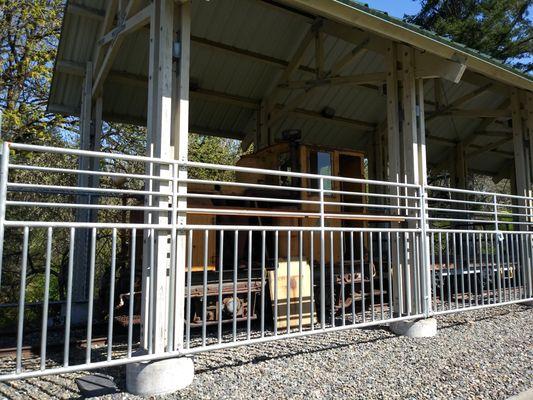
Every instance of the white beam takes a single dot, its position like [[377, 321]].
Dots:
[[431, 66]]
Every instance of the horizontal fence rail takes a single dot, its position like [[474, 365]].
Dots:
[[90, 240]]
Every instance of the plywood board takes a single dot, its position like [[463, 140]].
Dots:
[[297, 279]]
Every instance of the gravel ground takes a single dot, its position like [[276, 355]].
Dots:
[[485, 354]]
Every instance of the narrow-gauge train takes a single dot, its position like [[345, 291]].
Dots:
[[288, 155], [225, 258]]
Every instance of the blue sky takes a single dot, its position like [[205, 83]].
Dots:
[[395, 8]]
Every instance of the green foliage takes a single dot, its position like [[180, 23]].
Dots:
[[29, 32], [213, 150], [500, 28]]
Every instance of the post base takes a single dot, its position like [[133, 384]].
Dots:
[[415, 329], [150, 378]]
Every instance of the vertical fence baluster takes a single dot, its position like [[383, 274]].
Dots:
[[300, 294], [91, 297], [188, 315], [362, 258], [22, 298], [332, 278], [220, 283], [249, 291], [461, 261], [474, 242], [111, 294], [389, 263], [455, 271], [372, 277], [288, 282], [312, 268], [433, 271], [469, 283], [132, 290], [381, 299], [352, 275], [276, 265], [407, 272], [263, 282], [68, 310], [342, 294], [44, 322], [235, 276], [204, 286]]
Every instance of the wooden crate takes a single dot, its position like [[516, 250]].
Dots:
[[294, 294], [198, 241]]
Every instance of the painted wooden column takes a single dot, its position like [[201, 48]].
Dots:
[[90, 125], [180, 144], [522, 180], [425, 256], [394, 171], [157, 249], [519, 146], [164, 251], [411, 175]]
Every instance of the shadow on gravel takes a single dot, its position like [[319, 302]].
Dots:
[[470, 318], [293, 352]]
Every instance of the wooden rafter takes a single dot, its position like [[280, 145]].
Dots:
[[361, 79], [489, 147], [328, 79], [459, 102], [85, 11], [107, 24], [112, 50]]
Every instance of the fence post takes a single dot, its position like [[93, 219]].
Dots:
[[426, 267], [495, 207], [4, 171], [322, 257]]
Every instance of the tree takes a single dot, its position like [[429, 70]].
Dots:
[[29, 32], [501, 29]]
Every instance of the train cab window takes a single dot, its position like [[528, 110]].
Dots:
[[320, 163], [285, 164]]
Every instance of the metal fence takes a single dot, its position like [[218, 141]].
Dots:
[[96, 256]]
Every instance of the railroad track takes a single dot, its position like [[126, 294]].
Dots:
[[35, 349]]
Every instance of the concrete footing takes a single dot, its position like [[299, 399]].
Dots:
[[415, 329], [150, 378]]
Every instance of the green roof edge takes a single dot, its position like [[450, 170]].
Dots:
[[432, 35]]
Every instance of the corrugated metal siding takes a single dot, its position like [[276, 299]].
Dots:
[[259, 27]]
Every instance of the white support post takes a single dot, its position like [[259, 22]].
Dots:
[[425, 275], [148, 258], [161, 137], [180, 140], [519, 148], [529, 124], [523, 186], [393, 143], [168, 127], [416, 272], [410, 168]]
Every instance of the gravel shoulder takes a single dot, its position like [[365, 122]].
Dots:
[[484, 354]]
